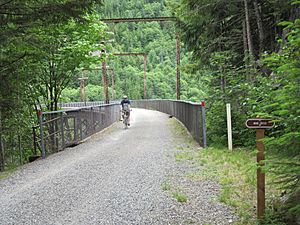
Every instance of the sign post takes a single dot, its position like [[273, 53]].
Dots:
[[260, 125]]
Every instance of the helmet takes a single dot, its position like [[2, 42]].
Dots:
[[125, 97]]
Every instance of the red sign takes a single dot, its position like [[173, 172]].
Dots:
[[258, 123]]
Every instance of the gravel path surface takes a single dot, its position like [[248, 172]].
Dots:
[[116, 177]]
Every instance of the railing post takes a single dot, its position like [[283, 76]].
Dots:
[[76, 128], [79, 121], [93, 121], [203, 124], [1, 147], [1, 153], [40, 113], [34, 141], [62, 130]]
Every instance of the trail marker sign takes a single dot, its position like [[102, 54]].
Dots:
[[258, 123]]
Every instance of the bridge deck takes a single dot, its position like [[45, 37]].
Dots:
[[115, 177]]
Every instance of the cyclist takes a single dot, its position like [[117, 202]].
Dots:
[[126, 107]]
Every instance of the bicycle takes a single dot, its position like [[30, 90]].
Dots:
[[126, 118]]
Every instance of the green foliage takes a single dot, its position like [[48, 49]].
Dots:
[[94, 92], [42, 43], [70, 95], [62, 53]]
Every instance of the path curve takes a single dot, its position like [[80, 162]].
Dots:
[[115, 177]]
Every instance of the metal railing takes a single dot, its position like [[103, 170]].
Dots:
[[82, 104], [192, 115], [60, 129]]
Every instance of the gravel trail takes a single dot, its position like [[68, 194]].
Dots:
[[115, 177]]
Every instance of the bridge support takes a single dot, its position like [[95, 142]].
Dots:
[[112, 84], [82, 89], [177, 66], [145, 76], [105, 84]]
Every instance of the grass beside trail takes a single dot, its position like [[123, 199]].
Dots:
[[6, 173], [234, 170]]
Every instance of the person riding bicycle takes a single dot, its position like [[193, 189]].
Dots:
[[126, 107]]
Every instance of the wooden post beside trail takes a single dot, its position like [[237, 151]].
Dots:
[[229, 129], [260, 134], [260, 125]]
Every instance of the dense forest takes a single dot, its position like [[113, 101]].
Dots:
[[242, 52]]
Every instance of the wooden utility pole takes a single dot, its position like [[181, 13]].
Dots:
[[82, 89], [112, 82], [145, 76], [177, 66], [105, 83]]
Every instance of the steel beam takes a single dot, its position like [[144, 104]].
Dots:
[[129, 54], [149, 19]]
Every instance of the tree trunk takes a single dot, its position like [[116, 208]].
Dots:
[[249, 34], [245, 40], [223, 83], [259, 26], [1, 147]]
